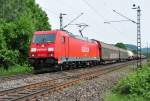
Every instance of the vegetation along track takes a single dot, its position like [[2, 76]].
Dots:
[[33, 91]]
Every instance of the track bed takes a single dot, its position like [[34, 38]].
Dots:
[[67, 79]]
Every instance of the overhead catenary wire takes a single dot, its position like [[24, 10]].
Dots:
[[100, 15], [116, 21], [107, 7], [124, 16], [73, 20], [91, 7]]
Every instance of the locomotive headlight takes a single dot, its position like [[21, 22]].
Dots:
[[50, 49], [33, 49], [33, 55]]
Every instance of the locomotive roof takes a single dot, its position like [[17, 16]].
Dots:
[[69, 33], [79, 37], [46, 32]]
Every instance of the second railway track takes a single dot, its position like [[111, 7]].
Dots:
[[33, 91]]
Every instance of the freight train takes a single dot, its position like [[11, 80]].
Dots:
[[61, 49]]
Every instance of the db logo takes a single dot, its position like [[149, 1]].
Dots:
[[85, 49]]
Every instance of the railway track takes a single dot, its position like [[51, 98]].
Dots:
[[33, 91], [14, 77]]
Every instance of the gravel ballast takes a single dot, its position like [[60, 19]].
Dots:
[[91, 90], [30, 80]]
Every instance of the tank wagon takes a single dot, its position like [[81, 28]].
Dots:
[[131, 55], [61, 49]]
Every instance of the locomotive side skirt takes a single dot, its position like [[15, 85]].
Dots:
[[63, 59]]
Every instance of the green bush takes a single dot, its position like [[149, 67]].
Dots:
[[117, 97], [15, 70], [8, 57], [136, 84]]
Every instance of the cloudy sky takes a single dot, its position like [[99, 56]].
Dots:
[[96, 12]]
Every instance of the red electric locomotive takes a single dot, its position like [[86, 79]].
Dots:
[[58, 48]]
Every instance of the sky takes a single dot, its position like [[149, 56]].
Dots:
[[96, 12]]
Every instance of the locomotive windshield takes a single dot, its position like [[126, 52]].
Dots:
[[42, 38]]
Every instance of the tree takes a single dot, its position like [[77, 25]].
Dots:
[[18, 20], [120, 45]]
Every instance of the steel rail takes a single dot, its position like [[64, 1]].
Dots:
[[32, 91]]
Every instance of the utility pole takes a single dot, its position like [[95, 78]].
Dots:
[[139, 61], [61, 20], [147, 50], [138, 23]]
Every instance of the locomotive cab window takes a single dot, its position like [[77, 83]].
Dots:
[[63, 39], [44, 38]]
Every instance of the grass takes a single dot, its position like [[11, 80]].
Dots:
[[117, 97], [15, 70], [135, 87]]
